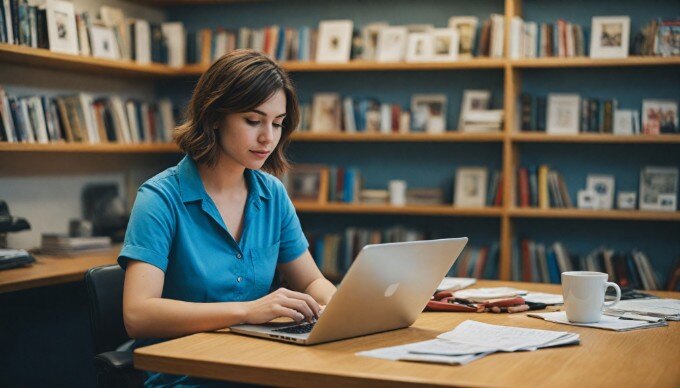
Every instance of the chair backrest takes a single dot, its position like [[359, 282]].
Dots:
[[105, 298]]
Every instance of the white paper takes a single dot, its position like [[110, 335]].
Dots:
[[448, 348], [655, 307], [479, 294], [540, 297], [450, 283], [402, 352], [606, 322], [503, 338]]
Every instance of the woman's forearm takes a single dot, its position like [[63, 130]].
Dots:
[[169, 318], [321, 290]]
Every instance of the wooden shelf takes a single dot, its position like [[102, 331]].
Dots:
[[529, 137], [452, 136], [28, 56], [633, 215], [50, 270], [556, 62], [441, 210], [89, 148]]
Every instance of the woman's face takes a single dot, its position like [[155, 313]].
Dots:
[[248, 138]]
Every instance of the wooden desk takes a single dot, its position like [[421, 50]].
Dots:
[[49, 270], [639, 358]]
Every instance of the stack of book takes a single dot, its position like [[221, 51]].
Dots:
[[538, 262], [482, 120], [59, 244], [84, 118], [542, 187]]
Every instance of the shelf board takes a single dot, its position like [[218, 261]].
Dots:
[[529, 137], [451, 136], [89, 148], [427, 210], [634, 215], [557, 62], [28, 56]]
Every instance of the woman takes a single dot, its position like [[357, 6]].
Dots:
[[206, 236]]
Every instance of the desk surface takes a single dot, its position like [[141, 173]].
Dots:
[[49, 270], [639, 358]]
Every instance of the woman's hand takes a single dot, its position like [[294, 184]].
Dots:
[[282, 303]]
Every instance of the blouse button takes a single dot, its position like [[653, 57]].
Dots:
[[239, 279], [239, 256]]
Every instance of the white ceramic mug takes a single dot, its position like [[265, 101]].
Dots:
[[583, 293], [397, 189]]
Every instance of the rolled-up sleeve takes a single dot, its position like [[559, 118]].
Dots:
[[150, 230]]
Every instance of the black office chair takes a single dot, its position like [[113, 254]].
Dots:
[[105, 297]]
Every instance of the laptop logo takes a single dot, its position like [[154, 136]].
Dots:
[[391, 290]]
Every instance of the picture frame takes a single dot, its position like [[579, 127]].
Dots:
[[585, 200], [563, 114], [473, 100], [470, 187], [369, 34], [103, 42], [444, 45], [62, 33], [623, 122], [658, 188], [419, 47], [391, 44], [467, 33], [334, 41], [307, 183], [659, 116], [326, 112], [603, 187], [626, 200], [428, 113], [610, 37]]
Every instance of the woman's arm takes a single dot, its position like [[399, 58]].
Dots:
[[148, 315], [303, 275]]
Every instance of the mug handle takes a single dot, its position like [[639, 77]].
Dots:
[[618, 294]]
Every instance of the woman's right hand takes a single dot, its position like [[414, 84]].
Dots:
[[282, 303]]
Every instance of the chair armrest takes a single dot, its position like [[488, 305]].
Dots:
[[116, 360]]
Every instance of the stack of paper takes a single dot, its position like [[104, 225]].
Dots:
[[606, 322], [454, 284], [472, 340], [483, 294], [668, 309]]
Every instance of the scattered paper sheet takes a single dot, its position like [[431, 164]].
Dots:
[[403, 352], [450, 283], [606, 322], [540, 297], [665, 308]]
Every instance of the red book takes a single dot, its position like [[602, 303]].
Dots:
[[396, 117], [523, 186], [481, 262], [526, 261], [499, 193], [463, 264]]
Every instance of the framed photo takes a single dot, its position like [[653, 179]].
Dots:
[[391, 44], [467, 32], [473, 100], [610, 37], [419, 47], [104, 43], [326, 115], [307, 183], [563, 114], [586, 200], [470, 187], [659, 116], [444, 45], [602, 187], [61, 26], [668, 39], [658, 188], [369, 35], [335, 41], [623, 122], [429, 113], [626, 200]]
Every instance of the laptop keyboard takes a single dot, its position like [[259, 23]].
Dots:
[[299, 329]]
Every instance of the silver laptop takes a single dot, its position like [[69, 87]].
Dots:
[[386, 288]]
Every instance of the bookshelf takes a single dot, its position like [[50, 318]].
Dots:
[[510, 141]]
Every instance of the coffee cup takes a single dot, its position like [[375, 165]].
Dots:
[[583, 293]]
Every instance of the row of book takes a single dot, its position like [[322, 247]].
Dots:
[[560, 39], [361, 115], [542, 187], [538, 262], [477, 262], [84, 118]]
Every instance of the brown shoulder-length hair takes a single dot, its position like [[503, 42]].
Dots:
[[238, 82]]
